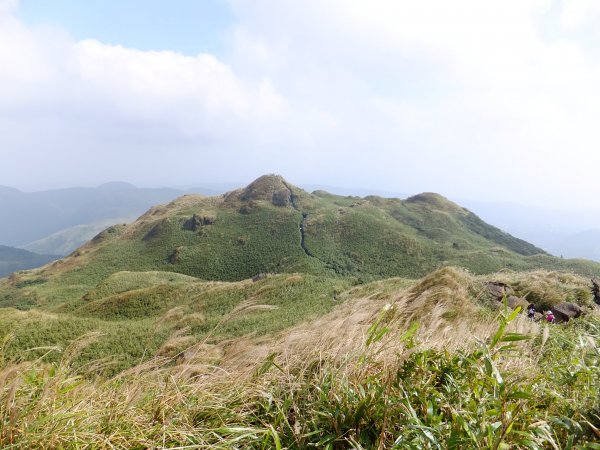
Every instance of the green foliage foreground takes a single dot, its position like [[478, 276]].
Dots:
[[508, 392]]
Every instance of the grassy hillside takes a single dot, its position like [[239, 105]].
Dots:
[[13, 259], [273, 227], [138, 312], [300, 361], [269, 317]]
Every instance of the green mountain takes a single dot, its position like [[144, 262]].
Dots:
[[155, 332], [271, 226], [13, 259], [66, 241]]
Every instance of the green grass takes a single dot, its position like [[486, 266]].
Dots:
[[132, 310], [128, 343], [392, 390], [35, 335], [258, 230]]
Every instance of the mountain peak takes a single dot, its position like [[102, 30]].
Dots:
[[117, 186], [271, 188], [266, 184], [435, 201]]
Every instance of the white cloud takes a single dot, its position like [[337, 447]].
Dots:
[[69, 108], [464, 92], [199, 94], [42, 69], [466, 97], [7, 6], [579, 13]]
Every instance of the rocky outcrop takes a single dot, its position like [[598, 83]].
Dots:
[[258, 277], [563, 312], [195, 222], [513, 302], [157, 231], [282, 197], [498, 290], [175, 256], [596, 290], [268, 188]]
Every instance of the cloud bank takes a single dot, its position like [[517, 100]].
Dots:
[[67, 107], [492, 100]]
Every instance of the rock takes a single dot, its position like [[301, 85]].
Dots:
[[281, 197], [260, 276], [513, 302], [195, 222], [175, 257], [271, 188], [497, 289], [563, 312], [596, 290], [207, 220], [157, 231]]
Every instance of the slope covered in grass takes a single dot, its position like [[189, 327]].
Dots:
[[138, 314], [391, 364], [358, 332], [273, 227]]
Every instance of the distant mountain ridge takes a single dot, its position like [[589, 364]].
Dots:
[[66, 241], [572, 234], [271, 226], [30, 216], [13, 259]]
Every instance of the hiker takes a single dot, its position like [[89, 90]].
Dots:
[[531, 311], [549, 316]]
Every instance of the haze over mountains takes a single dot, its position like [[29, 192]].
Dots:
[[56, 222], [273, 226], [572, 234], [13, 259]]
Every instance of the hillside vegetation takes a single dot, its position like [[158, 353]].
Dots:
[[269, 317], [273, 227], [389, 364]]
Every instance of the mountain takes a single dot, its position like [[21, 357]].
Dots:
[[30, 216], [319, 351], [271, 226], [572, 234], [66, 241], [585, 243], [13, 259]]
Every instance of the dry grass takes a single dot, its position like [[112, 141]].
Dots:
[[443, 304], [546, 288], [199, 395]]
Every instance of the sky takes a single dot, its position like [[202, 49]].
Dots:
[[477, 99]]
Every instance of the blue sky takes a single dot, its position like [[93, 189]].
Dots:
[[492, 100], [189, 27]]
